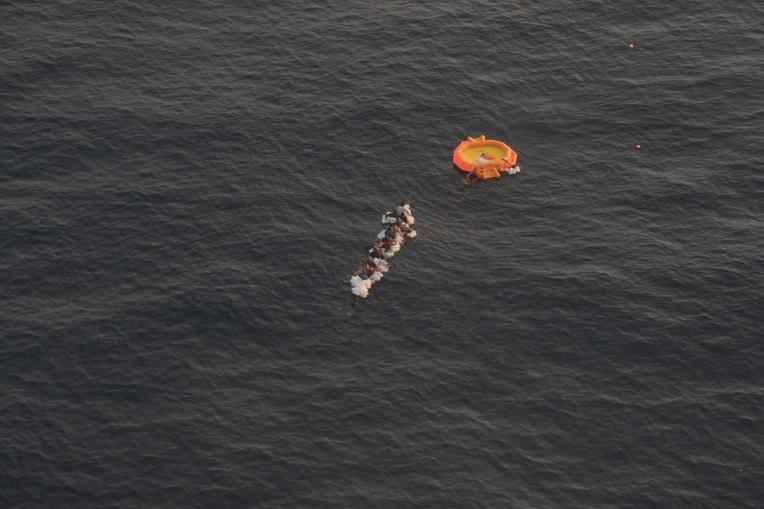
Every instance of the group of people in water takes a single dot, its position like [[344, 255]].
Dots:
[[399, 225], [488, 167]]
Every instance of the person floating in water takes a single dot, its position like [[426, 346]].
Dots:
[[376, 251], [403, 212], [407, 230]]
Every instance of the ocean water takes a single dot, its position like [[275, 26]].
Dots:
[[185, 189]]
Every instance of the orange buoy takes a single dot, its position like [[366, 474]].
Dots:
[[637, 146], [486, 158], [632, 45]]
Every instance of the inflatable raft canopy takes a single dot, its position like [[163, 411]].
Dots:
[[501, 157]]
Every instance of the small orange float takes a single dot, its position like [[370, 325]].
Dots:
[[497, 157]]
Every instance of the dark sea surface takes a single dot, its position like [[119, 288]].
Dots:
[[185, 188]]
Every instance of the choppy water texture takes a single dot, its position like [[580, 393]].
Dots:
[[185, 189]]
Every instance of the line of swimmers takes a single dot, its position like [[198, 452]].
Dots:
[[399, 227]]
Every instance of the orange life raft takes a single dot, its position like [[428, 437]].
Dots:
[[500, 157]]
